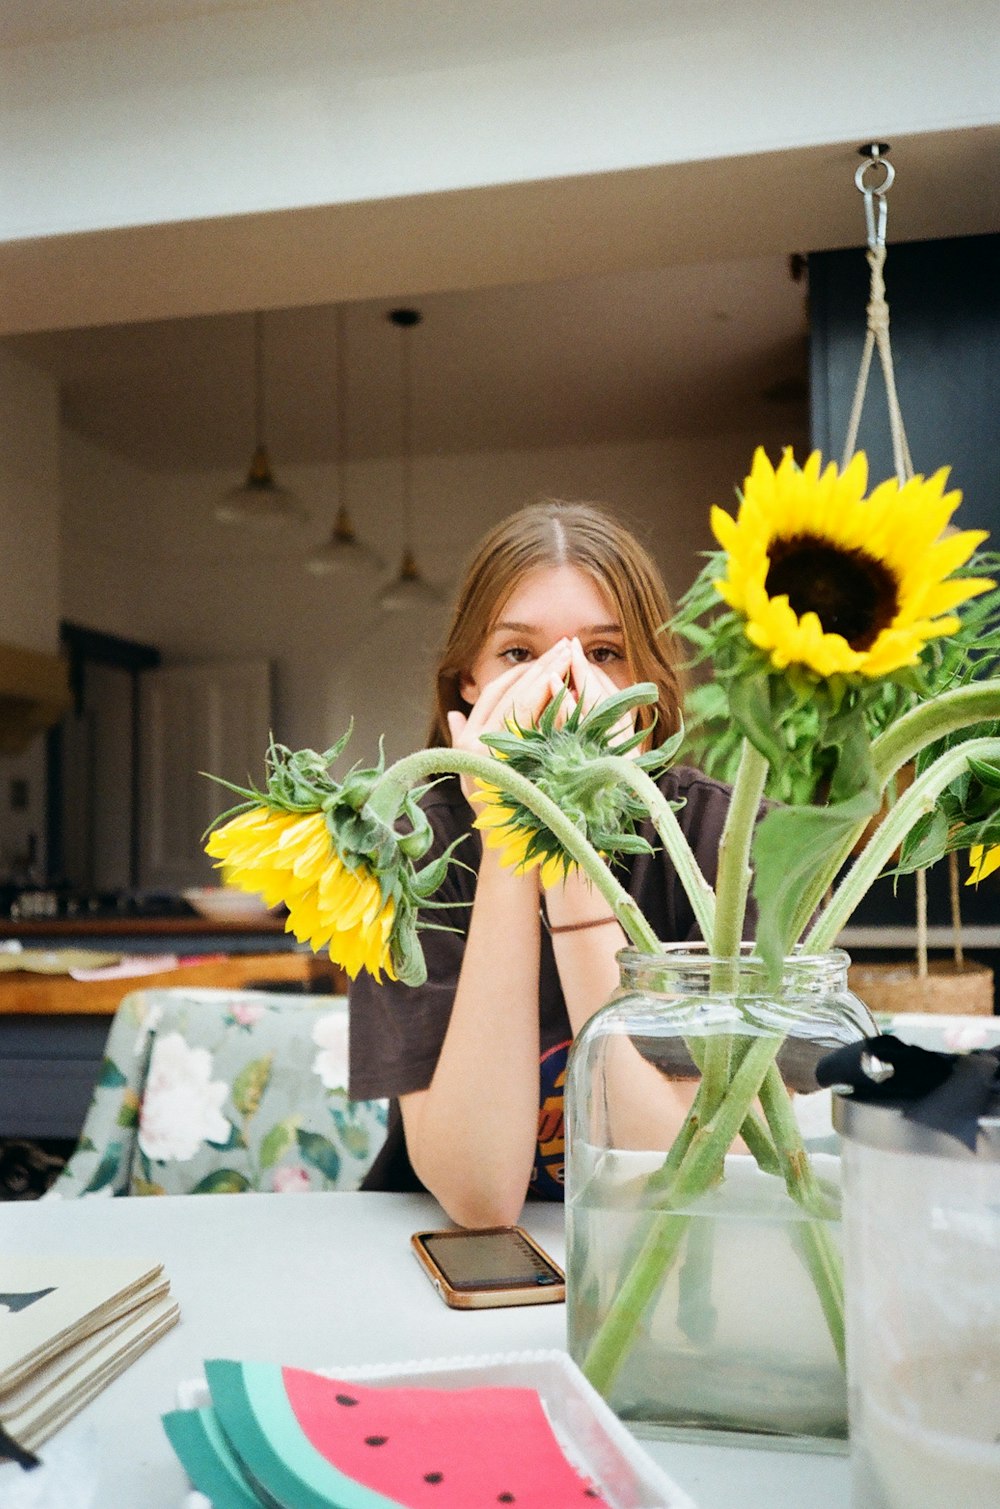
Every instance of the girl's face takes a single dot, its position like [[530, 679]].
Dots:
[[552, 603]]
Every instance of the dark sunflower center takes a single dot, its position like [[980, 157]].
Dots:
[[850, 592]]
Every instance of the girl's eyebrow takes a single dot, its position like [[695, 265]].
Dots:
[[509, 626]]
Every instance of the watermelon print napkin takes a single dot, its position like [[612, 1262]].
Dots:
[[299, 1440]]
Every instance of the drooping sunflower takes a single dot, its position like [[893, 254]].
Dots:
[[288, 857], [521, 848], [839, 583], [560, 759]]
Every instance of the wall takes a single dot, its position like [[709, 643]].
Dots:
[[945, 333], [145, 560], [29, 570], [29, 506]]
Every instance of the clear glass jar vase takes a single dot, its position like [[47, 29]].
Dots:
[[704, 1279]]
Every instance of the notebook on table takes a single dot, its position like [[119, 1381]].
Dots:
[[67, 1328]]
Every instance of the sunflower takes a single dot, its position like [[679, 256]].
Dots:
[[983, 861], [288, 857], [838, 583], [521, 848]]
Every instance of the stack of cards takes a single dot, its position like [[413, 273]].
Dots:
[[292, 1439], [67, 1328]]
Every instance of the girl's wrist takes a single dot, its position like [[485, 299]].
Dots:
[[553, 928], [574, 906]]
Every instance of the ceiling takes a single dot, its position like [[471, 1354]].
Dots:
[[625, 357], [57, 20], [607, 307]]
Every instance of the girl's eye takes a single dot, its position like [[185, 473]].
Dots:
[[516, 655], [605, 654]]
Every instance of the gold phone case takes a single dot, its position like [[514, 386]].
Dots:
[[489, 1296]]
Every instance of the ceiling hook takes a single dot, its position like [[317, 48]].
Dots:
[[874, 153]]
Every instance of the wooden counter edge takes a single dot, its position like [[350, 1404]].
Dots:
[[25, 994]]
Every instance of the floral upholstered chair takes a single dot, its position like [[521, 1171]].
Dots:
[[221, 1091]]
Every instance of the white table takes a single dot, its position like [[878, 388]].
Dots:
[[316, 1281]]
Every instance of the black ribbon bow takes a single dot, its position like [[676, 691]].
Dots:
[[946, 1092]]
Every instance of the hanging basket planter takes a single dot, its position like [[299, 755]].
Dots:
[[948, 988]]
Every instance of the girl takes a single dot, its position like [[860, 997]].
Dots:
[[475, 1058]]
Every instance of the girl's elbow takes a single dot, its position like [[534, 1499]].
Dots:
[[476, 1202], [479, 1209]]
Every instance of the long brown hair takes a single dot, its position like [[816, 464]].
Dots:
[[554, 533]]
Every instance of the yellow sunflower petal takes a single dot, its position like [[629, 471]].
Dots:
[[983, 861]]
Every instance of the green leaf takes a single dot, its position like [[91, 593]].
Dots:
[[989, 775], [320, 1152], [356, 1139], [428, 880], [222, 1181], [277, 1141], [107, 1169], [407, 955], [750, 706], [854, 771], [791, 845], [250, 1084], [607, 713], [234, 1139], [926, 843]]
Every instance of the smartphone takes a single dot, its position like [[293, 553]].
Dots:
[[484, 1270]]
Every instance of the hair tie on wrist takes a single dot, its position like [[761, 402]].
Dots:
[[577, 927]]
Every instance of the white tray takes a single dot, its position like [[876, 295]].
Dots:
[[590, 1434]]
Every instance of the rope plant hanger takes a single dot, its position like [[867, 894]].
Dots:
[[874, 178]]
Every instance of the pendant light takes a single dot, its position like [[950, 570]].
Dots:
[[409, 589], [343, 551], [259, 499]]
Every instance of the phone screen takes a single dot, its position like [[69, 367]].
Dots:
[[488, 1259]]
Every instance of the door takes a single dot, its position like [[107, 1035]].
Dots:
[[212, 717]]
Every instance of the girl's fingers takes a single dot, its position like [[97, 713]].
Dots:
[[520, 694], [494, 693], [591, 683], [456, 726], [593, 686], [533, 695]]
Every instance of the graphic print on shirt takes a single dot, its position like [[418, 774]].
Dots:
[[547, 1177]]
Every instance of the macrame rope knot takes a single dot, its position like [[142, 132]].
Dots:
[[878, 308]]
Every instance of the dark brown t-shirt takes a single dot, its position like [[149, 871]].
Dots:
[[396, 1031]]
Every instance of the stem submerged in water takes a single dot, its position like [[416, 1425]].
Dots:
[[700, 1167]]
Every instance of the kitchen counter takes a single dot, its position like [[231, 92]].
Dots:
[[26, 992]]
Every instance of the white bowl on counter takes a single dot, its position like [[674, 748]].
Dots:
[[221, 904]]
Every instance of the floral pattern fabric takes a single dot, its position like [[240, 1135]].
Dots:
[[216, 1091]]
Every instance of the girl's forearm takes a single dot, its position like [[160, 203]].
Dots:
[[472, 1134]]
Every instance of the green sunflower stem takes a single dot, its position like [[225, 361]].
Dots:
[[709, 1095], [385, 799], [948, 712], [923, 725], [891, 832], [734, 874], [671, 834], [700, 1168], [819, 1250]]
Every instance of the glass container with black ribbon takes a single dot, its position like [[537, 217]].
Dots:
[[921, 1227]]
